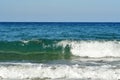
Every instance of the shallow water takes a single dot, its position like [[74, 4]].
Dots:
[[91, 69]]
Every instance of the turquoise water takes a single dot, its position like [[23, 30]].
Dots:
[[59, 51]]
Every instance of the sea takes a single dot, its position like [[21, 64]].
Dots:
[[59, 51]]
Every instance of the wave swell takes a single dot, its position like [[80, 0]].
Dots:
[[57, 49]]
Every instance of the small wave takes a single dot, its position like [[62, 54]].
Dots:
[[44, 50]]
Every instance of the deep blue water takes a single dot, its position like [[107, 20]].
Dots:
[[45, 30]]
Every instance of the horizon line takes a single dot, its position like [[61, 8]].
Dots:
[[55, 22]]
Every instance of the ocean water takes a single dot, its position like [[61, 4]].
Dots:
[[59, 51]]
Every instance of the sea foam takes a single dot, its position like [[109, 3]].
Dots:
[[93, 48], [58, 71]]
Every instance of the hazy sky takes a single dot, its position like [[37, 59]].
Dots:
[[60, 10]]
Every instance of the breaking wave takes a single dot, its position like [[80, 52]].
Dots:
[[93, 48], [45, 50]]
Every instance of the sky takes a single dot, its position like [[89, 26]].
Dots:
[[59, 10]]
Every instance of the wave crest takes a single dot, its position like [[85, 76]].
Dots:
[[45, 50], [93, 48]]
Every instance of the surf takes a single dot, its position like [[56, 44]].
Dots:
[[45, 49], [94, 49], [84, 70]]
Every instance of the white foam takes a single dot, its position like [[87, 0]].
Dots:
[[58, 71], [93, 48], [25, 41]]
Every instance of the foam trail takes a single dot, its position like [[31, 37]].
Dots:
[[58, 71], [93, 48]]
